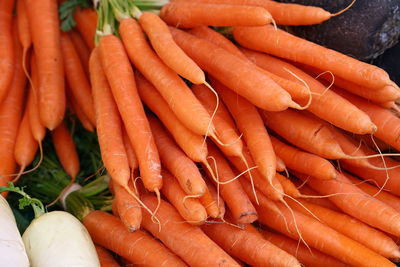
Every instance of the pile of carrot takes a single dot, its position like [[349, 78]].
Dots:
[[264, 149]]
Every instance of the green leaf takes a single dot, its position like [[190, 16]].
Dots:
[[67, 10]]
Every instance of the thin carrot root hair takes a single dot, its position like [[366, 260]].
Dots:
[[28, 76], [343, 10], [384, 165], [330, 85], [287, 173], [99, 169], [212, 133], [306, 85], [186, 197], [22, 172], [251, 177], [62, 193]]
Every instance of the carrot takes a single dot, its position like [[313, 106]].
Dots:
[[307, 133], [254, 132], [355, 229], [288, 187], [325, 104], [86, 23], [7, 58], [303, 162], [216, 201], [23, 29], [250, 247], [171, 54], [113, 58], [388, 123], [189, 208], [283, 13], [376, 95], [264, 39], [75, 108], [307, 256], [294, 89], [109, 125], [66, 150], [243, 211], [128, 208], [226, 67], [81, 48], [358, 204], [320, 236], [76, 78], [45, 30], [38, 130], [209, 202], [109, 232], [317, 198], [182, 167], [172, 88], [11, 113], [130, 153], [191, 143], [374, 191], [180, 236], [25, 144], [190, 14], [105, 257]]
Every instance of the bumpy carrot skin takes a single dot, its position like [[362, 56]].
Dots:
[[23, 26], [190, 14], [45, 30], [129, 210], [290, 47], [165, 47], [81, 48], [109, 232], [7, 58], [113, 57], [10, 114], [173, 89], [66, 150], [225, 67], [283, 13], [185, 240]]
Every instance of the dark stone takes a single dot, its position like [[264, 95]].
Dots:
[[390, 61], [364, 31]]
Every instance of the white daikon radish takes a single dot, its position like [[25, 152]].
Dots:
[[12, 249], [58, 239]]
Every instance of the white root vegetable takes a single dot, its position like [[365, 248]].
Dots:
[[12, 249], [58, 239]]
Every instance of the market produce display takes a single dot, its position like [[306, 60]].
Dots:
[[191, 133]]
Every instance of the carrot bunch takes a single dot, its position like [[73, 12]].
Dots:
[[203, 137]]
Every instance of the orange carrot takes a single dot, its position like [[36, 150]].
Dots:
[[307, 256], [7, 58], [264, 38], [307, 133], [325, 104], [180, 236], [25, 144], [123, 86], [320, 200], [75, 108], [189, 208], [81, 48], [45, 30], [128, 208], [23, 28], [252, 248], [303, 162], [11, 113], [225, 66], [76, 78], [109, 232], [358, 204], [86, 22], [288, 187], [173, 89], [190, 14], [109, 125], [216, 201], [182, 167], [165, 47], [243, 211], [105, 257], [353, 228], [191, 143], [130, 153], [283, 13], [320, 236], [66, 150]]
